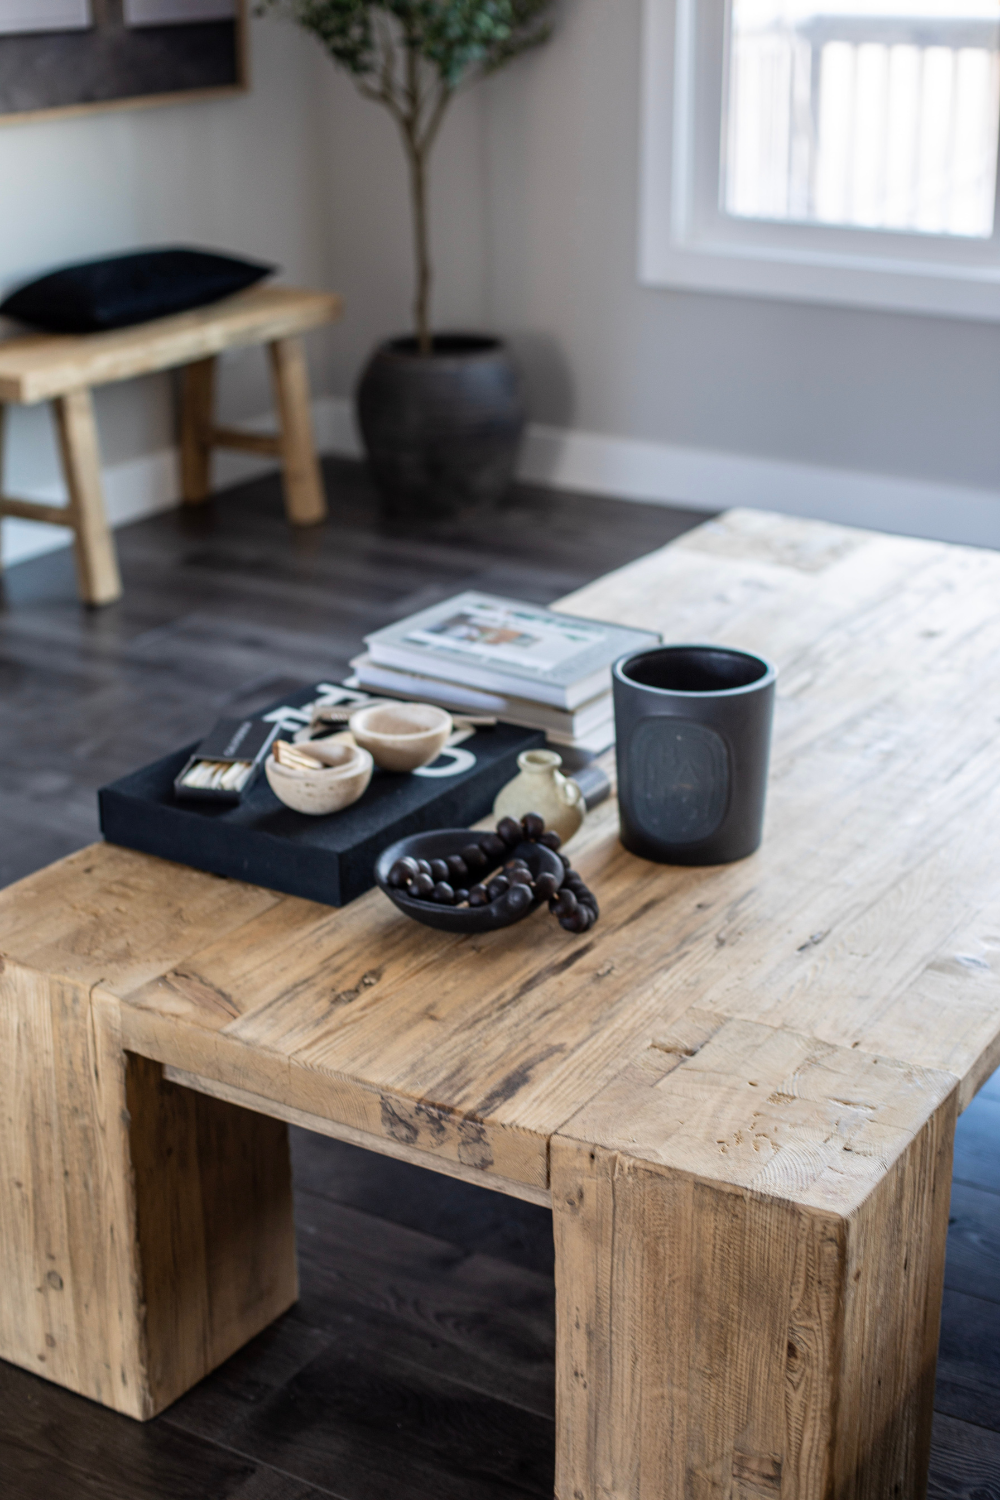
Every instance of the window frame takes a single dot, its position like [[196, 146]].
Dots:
[[686, 240]]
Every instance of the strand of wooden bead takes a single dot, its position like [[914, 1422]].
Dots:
[[445, 880]]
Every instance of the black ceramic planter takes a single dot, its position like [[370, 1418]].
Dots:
[[441, 430]]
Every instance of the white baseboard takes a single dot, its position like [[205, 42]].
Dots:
[[597, 464], [132, 490], [711, 480], [707, 479]]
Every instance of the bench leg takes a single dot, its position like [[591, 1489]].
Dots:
[[305, 501], [146, 1231], [96, 560], [197, 420]]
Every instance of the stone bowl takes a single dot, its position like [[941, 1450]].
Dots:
[[341, 780], [438, 845], [401, 736]]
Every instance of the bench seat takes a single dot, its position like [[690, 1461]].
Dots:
[[64, 368]]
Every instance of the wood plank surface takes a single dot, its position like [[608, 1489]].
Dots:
[[38, 366]]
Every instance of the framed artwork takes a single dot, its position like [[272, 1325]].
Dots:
[[66, 56]]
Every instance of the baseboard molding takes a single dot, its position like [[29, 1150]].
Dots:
[[706, 479], [596, 464]]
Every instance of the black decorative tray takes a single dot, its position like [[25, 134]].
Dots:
[[330, 859]]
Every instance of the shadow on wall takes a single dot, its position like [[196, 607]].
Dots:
[[549, 388]]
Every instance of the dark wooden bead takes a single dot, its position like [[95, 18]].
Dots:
[[576, 922], [516, 864], [400, 874], [461, 895], [492, 846], [566, 903], [457, 868], [565, 861], [521, 877], [478, 896], [422, 886], [497, 886], [533, 825], [510, 830], [518, 898], [439, 869], [546, 885], [550, 839], [474, 857], [423, 866], [443, 893]]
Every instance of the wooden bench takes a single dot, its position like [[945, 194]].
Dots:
[[64, 368]]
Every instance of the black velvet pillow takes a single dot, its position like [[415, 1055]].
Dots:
[[129, 289]]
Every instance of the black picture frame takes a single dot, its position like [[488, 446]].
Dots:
[[53, 74]]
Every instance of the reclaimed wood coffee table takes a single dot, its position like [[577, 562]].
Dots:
[[738, 1092]]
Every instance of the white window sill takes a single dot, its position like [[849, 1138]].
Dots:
[[899, 286]]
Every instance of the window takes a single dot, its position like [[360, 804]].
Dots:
[[834, 150]]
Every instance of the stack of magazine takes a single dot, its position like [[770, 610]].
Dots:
[[476, 653]]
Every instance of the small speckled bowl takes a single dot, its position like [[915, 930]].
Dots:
[[439, 845], [341, 780], [401, 736]]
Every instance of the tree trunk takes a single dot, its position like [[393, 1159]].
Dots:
[[422, 299]]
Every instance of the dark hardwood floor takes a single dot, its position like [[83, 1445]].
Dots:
[[417, 1364]]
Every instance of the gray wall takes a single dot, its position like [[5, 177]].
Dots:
[[534, 207], [888, 393]]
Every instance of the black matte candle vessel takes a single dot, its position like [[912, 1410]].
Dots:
[[498, 877]]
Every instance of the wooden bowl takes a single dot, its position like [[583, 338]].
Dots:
[[401, 736], [438, 845], [342, 780]]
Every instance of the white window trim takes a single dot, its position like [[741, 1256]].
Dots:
[[684, 241]]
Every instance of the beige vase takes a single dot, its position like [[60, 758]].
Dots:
[[541, 787]]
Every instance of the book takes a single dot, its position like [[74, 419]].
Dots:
[[503, 646], [331, 858], [451, 695]]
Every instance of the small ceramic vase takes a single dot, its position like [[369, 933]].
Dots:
[[401, 736], [541, 787]]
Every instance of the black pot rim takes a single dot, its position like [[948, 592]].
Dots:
[[457, 347], [765, 677]]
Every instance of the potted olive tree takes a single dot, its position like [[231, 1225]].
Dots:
[[441, 414]]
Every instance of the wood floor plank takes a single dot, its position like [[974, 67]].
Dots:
[[965, 1462], [473, 1218], [383, 1429], [473, 1319], [56, 1446], [977, 1144], [968, 1371], [973, 1261]]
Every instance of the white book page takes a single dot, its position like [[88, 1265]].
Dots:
[[177, 12], [44, 15], [495, 635]]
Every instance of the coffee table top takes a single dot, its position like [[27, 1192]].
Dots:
[[783, 1024]]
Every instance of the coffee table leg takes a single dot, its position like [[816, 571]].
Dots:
[[719, 1344], [145, 1231]]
